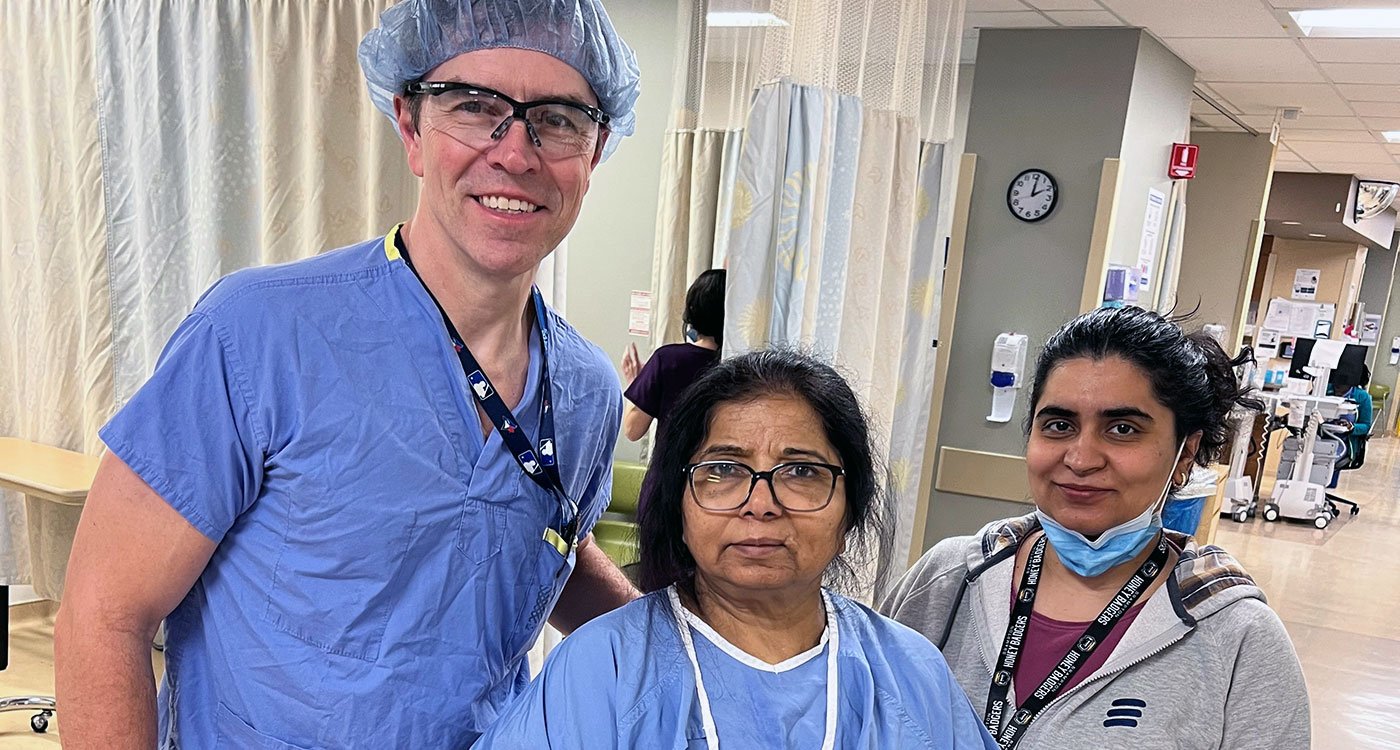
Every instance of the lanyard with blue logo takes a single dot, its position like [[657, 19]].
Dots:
[[539, 465], [1008, 732]]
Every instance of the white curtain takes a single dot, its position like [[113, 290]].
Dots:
[[234, 134], [154, 146], [692, 228], [834, 242], [714, 80], [55, 333]]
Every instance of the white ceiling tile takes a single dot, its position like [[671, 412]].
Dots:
[[1258, 122], [1200, 107], [1005, 20], [1369, 92], [1320, 151], [1218, 18], [1247, 60], [1377, 109], [1084, 18], [1317, 122], [1381, 170], [1306, 4], [1363, 72], [1383, 123], [1353, 50], [1393, 148], [1066, 4], [1292, 166], [1215, 120], [1335, 136], [1264, 98], [975, 6]]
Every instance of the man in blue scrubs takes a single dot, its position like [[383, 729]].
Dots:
[[356, 485]]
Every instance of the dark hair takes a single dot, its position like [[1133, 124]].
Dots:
[[665, 559], [1190, 373], [704, 304], [415, 107]]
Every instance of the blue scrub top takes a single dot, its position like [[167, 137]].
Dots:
[[624, 681], [381, 568]]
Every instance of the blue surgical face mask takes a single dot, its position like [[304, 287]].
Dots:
[[691, 334], [1114, 546]]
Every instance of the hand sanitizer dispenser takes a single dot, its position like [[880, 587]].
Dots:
[[1008, 368]]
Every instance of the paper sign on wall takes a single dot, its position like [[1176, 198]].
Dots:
[[1266, 344], [1151, 237], [1311, 319], [1305, 283], [1370, 329], [639, 315], [1279, 315]]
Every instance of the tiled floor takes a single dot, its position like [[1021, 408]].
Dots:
[[1338, 592]]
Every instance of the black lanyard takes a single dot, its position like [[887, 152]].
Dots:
[[1098, 630], [539, 465]]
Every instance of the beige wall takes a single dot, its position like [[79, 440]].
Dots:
[[1159, 114], [1341, 265], [611, 246], [1224, 219]]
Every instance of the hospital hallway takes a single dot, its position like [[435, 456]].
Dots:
[[1338, 593], [1341, 608]]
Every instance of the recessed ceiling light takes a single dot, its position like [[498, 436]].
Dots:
[[1349, 22], [1315, 234], [1291, 223], [1392, 136], [742, 19]]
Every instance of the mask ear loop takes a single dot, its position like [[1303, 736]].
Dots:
[[1171, 481]]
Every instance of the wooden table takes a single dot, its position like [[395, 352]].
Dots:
[[47, 473]]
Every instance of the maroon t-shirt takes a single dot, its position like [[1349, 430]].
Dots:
[[1047, 642], [671, 369]]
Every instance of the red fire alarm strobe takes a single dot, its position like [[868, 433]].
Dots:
[[1183, 166]]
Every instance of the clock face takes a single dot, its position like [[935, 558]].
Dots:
[[1032, 195]]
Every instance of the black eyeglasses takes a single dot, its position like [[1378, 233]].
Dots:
[[477, 116], [798, 486]]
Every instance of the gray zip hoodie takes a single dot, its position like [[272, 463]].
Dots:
[[1206, 665]]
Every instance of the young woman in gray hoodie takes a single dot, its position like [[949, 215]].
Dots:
[[1086, 624]]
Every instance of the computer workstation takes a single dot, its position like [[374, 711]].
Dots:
[[1319, 428]]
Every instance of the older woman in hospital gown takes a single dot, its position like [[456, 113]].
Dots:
[[764, 484]]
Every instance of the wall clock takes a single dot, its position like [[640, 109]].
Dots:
[[1032, 195]]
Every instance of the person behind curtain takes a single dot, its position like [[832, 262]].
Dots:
[[766, 483], [654, 388], [1084, 624], [358, 484]]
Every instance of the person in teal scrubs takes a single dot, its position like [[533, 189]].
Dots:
[[357, 486]]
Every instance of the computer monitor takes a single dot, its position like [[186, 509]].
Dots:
[[1346, 375]]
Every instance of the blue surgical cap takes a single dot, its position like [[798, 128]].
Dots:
[[415, 36]]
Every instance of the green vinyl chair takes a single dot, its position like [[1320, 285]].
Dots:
[[1380, 397], [616, 530]]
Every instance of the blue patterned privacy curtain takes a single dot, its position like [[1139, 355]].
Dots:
[[826, 212], [836, 249]]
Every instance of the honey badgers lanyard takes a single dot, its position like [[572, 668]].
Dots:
[[1008, 732], [538, 462]]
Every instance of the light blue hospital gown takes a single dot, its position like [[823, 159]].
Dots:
[[624, 681], [381, 572]]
